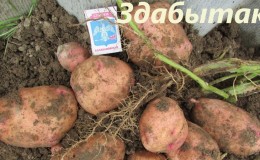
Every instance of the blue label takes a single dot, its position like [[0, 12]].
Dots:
[[104, 32]]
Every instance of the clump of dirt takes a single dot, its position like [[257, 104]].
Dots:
[[29, 60]]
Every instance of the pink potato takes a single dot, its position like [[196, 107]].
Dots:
[[167, 37], [101, 83], [234, 130], [100, 146], [198, 145], [37, 117], [145, 155], [163, 127], [71, 55]]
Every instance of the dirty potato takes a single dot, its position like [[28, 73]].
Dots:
[[168, 38], [71, 54], [163, 127], [100, 146], [101, 83], [234, 129], [37, 117], [198, 145]]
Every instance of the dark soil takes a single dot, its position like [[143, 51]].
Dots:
[[28, 60]]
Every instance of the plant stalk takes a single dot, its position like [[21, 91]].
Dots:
[[168, 61]]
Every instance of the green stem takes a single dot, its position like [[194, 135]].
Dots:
[[132, 24], [168, 61], [200, 81], [224, 78], [250, 77]]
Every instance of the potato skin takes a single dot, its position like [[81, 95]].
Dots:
[[234, 129], [198, 145], [37, 117], [99, 146], [168, 38], [145, 155], [163, 127], [71, 55], [101, 83]]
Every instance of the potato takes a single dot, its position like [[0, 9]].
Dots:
[[145, 155], [234, 130], [101, 83], [168, 38], [100, 146], [163, 127], [37, 117], [71, 55], [198, 145]]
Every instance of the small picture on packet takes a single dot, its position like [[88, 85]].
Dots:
[[103, 30]]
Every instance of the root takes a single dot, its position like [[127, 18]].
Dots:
[[123, 121], [125, 118]]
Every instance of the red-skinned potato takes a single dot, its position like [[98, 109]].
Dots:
[[235, 130], [146, 155], [163, 127], [71, 54], [37, 117], [100, 146], [168, 38], [198, 145], [101, 83]]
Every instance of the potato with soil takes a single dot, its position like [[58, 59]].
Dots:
[[37, 117], [235, 130], [163, 127], [198, 145], [101, 83], [71, 55], [146, 155], [100, 146], [168, 38]]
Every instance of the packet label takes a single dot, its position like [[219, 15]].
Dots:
[[103, 30]]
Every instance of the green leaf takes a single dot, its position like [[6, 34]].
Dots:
[[244, 89]]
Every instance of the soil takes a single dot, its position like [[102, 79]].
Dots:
[[28, 59]]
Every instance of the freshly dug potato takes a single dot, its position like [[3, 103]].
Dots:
[[37, 117], [168, 38], [101, 83], [198, 145], [163, 127], [100, 146], [145, 155], [71, 54], [234, 129]]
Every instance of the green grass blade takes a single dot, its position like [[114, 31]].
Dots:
[[8, 33], [33, 5], [8, 27], [4, 27], [10, 20]]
